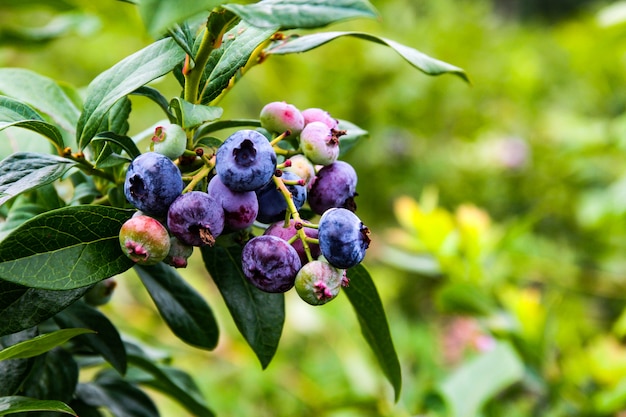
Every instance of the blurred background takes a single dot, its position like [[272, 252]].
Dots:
[[497, 209]]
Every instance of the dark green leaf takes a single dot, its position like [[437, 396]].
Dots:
[[353, 135], [156, 96], [119, 396], [22, 307], [106, 340], [15, 371], [40, 344], [182, 308], [419, 60], [208, 128], [369, 309], [259, 316], [480, 380], [43, 94], [54, 376], [24, 171], [160, 15], [183, 36], [67, 248], [305, 14], [226, 61], [175, 383], [122, 79], [14, 113], [124, 142], [116, 119], [192, 115], [19, 404]]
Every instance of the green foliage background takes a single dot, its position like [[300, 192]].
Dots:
[[504, 287]]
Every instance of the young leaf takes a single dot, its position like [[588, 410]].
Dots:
[[184, 37], [20, 404], [259, 316], [106, 340], [419, 60], [22, 307], [66, 248], [192, 115], [40, 344], [156, 96], [160, 15], [302, 14], [369, 309], [208, 128], [14, 113], [124, 142], [481, 379], [42, 93], [239, 44], [123, 78], [353, 135], [182, 308], [24, 171]]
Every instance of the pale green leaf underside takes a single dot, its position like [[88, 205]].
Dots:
[[40, 344], [18, 404]]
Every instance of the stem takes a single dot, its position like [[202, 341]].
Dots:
[[88, 168], [204, 171], [194, 75]]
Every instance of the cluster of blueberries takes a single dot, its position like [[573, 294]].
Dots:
[[256, 180]]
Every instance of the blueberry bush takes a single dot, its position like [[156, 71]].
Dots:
[[267, 202]]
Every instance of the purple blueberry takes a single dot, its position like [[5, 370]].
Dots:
[[240, 208], [245, 161], [278, 229], [152, 183], [319, 143], [319, 115], [144, 240], [270, 263], [318, 282], [272, 204], [334, 186], [343, 238], [196, 219], [279, 117]]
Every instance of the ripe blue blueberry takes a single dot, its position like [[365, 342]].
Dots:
[[152, 183], [272, 204], [270, 263], [245, 161], [333, 186], [196, 219], [144, 240], [343, 238]]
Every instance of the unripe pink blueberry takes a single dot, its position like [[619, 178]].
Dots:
[[315, 114], [169, 140], [279, 117], [144, 240], [178, 254], [319, 143], [318, 282], [302, 167]]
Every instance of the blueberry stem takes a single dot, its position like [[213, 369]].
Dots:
[[202, 173]]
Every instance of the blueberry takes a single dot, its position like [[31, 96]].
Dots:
[[245, 161], [318, 282], [333, 186], [272, 204], [279, 117], [169, 140], [240, 208], [152, 183], [278, 229], [270, 263], [343, 238], [319, 143], [319, 115], [144, 240], [178, 254], [196, 219], [302, 167]]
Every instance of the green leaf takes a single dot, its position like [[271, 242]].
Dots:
[[67, 248], [465, 298], [354, 135], [481, 379], [15, 371], [160, 15], [116, 119], [419, 60], [192, 115], [54, 376], [156, 96], [369, 309], [106, 340], [14, 113], [259, 316], [304, 14], [19, 404], [184, 37], [182, 308], [123, 78], [40, 344], [226, 61], [176, 384], [116, 394], [208, 128], [124, 142], [42, 93], [22, 307], [24, 171]]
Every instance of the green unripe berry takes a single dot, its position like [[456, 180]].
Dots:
[[144, 240], [169, 140], [318, 282]]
